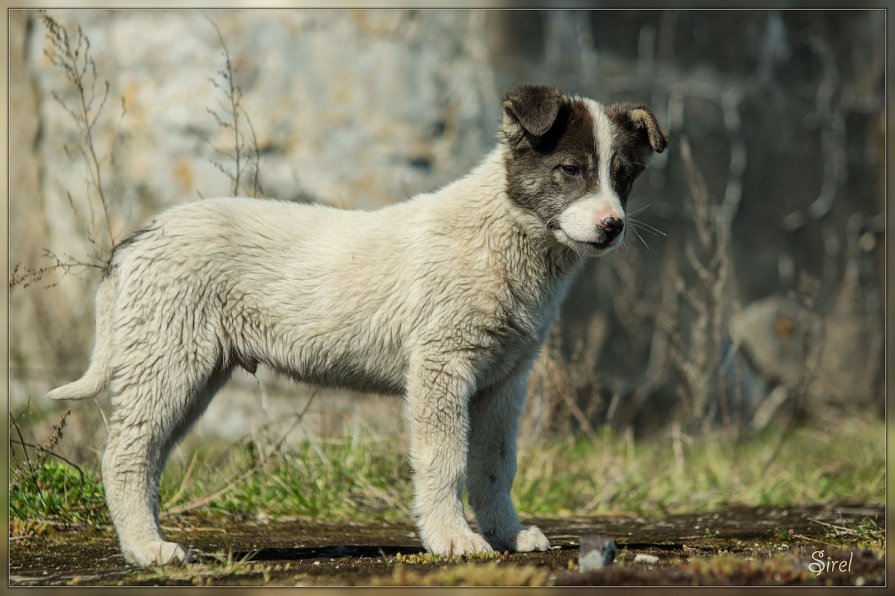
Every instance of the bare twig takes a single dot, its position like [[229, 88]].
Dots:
[[257, 191], [41, 449], [80, 69], [238, 478], [244, 149], [26, 276], [183, 482], [17, 472], [195, 504], [699, 359], [72, 55]]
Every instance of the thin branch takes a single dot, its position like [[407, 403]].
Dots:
[[246, 154], [28, 462], [45, 451], [234, 482], [72, 55], [234, 94]]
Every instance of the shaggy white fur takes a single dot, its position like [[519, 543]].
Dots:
[[444, 299]]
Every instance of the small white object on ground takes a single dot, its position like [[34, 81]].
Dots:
[[648, 559], [596, 552]]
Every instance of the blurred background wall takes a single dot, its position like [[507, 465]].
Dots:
[[754, 296]]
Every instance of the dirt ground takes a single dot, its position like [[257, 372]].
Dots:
[[736, 546]]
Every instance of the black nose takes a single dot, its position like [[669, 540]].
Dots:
[[612, 227]]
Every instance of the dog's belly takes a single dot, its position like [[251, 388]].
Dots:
[[350, 369], [331, 346]]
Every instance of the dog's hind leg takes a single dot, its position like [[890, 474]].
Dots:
[[154, 406], [494, 417]]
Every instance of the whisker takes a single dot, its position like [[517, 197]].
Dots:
[[645, 226], [548, 222], [636, 233], [641, 210]]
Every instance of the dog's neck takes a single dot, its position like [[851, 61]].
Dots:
[[489, 179], [525, 246]]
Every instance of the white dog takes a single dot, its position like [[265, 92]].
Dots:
[[444, 299]]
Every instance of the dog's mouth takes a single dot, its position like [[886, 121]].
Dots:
[[594, 247], [597, 247]]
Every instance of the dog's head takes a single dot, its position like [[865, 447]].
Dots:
[[572, 162]]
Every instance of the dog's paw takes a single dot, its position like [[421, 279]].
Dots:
[[530, 539], [524, 539], [157, 553], [466, 543]]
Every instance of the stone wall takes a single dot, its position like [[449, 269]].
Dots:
[[782, 113]]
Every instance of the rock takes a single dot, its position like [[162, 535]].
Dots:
[[596, 552], [777, 336], [827, 356]]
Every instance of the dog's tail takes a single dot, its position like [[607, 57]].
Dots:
[[99, 373]]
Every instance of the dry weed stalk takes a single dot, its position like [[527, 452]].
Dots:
[[639, 304], [558, 384], [260, 457], [71, 54], [245, 155], [697, 355], [27, 468]]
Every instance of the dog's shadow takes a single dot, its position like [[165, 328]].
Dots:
[[354, 551]]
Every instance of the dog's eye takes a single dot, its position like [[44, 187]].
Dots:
[[570, 170]]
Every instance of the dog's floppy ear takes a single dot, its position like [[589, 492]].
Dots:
[[640, 122], [530, 110]]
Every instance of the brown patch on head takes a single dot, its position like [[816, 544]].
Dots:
[[548, 171], [637, 134], [530, 111]]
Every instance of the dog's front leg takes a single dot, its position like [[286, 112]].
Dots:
[[494, 415], [438, 418]]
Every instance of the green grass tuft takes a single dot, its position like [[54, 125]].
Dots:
[[57, 494], [321, 480]]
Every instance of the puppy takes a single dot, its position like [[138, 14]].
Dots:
[[444, 299]]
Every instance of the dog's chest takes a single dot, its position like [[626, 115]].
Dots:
[[518, 289], [518, 335], [510, 358]]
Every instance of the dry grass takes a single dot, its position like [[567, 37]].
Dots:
[[706, 471]]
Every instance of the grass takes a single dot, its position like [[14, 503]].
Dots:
[[615, 475], [470, 574], [371, 481], [56, 494], [321, 480]]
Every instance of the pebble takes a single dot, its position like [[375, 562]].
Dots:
[[648, 559], [596, 552]]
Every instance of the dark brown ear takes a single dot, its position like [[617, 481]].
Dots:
[[531, 110], [640, 121]]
